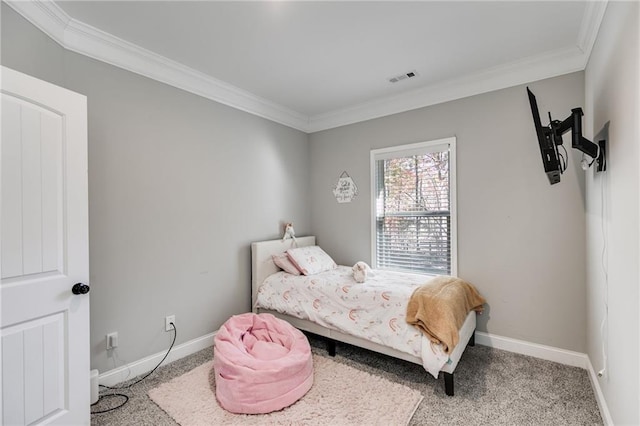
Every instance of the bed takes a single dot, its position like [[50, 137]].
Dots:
[[264, 271]]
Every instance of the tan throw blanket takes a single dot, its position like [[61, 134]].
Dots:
[[440, 307]]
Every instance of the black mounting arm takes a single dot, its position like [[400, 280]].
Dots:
[[574, 123]]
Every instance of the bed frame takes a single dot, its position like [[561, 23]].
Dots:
[[262, 266]]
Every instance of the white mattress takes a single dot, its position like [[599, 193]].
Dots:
[[374, 310]]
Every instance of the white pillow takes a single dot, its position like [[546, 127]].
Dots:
[[283, 262], [311, 260]]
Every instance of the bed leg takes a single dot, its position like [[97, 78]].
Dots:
[[331, 347], [472, 340], [448, 384]]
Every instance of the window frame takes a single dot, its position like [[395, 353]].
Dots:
[[412, 149]]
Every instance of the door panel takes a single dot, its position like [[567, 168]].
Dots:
[[32, 163], [45, 328], [35, 367], [11, 173]]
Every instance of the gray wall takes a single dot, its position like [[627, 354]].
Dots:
[[520, 240], [178, 188], [613, 95]]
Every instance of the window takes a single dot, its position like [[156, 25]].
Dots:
[[414, 212]]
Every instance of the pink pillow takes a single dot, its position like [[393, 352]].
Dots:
[[311, 260], [283, 262]]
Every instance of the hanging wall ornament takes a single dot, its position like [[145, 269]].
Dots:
[[345, 189]]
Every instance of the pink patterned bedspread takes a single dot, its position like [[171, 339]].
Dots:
[[374, 310]]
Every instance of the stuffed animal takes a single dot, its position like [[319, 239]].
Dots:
[[360, 271], [289, 232]]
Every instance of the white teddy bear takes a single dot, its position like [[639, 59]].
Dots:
[[360, 271]]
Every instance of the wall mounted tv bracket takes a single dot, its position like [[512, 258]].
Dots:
[[550, 137]]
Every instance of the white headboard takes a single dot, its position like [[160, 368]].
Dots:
[[261, 263]]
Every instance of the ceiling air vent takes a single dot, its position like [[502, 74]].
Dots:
[[404, 76]]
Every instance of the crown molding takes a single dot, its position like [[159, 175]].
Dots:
[[81, 38], [591, 20], [500, 77]]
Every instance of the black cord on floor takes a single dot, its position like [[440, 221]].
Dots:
[[175, 335], [126, 399]]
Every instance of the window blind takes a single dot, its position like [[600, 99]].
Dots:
[[413, 215]]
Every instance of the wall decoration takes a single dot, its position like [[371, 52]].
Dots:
[[345, 189]]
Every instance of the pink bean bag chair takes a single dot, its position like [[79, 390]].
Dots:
[[262, 364]]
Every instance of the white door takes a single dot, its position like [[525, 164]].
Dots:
[[44, 326]]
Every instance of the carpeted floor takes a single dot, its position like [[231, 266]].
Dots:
[[492, 387]]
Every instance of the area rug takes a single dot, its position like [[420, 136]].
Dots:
[[340, 395]]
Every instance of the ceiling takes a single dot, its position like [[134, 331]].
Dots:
[[317, 65]]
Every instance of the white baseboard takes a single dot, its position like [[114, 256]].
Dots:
[[144, 365], [550, 353], [602, 404], [562, 356]]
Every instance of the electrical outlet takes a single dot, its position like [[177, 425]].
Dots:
[[112, 340], [167, 322]]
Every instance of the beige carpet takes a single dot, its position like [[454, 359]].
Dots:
[[340, 395]]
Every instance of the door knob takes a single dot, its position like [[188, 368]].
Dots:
[[80, 288]]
